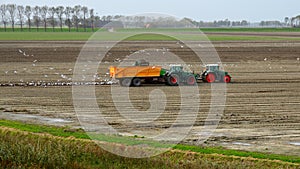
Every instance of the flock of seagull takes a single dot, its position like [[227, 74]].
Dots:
[[63, 81], [45, 84]]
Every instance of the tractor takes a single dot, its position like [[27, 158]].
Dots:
[[176, 75], [141, 72], [213, 73]]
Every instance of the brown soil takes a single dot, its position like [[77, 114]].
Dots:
[[61, 51], [262, 107]]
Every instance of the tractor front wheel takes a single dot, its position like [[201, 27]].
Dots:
[[227, 79], [210, 78]]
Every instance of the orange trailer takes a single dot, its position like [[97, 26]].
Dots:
[[134, 75], [135, 71]]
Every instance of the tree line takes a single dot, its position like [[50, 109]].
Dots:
[[43, 16], [287, 22], [82, 17], [223, 23]]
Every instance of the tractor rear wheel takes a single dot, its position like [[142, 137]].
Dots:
[[227, 79], [190, 80], [173, 80], [210, 78], [125, 82], [136, 82]]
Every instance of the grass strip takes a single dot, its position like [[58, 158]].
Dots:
[[66, 132]]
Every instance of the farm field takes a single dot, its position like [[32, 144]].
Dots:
[[262, 106], [213, 34]]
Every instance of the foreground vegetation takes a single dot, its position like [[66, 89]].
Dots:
[[36, 146]]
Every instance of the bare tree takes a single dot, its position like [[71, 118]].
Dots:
[[68, 12], [92, 17], [36, 16], [59, 13], [3, 10], [51, 13], [85, 11], [76, 16], [12, 12], [97, 21], [28, 13], [109, 18], [21, 15], [103, 18], [44, 11]]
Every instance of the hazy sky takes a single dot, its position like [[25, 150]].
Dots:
[[207, 10]]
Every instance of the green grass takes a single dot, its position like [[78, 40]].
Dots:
[[220, 150], [50, 36], [250, 38], [84, 36], [150, 37], [182, 34], [55, 131], [65, 132]]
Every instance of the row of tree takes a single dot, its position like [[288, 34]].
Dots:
[[80, 16], [288, 22], [43, 15], [83, 17], [223, 23]]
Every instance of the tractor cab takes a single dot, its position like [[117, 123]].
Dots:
[[176, 68], [212, 67]]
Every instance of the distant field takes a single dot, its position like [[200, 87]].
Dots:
[[83, 36], [20, 36], [214, 34], [250, 29]]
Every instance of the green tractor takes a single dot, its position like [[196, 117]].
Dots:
[[176, 75], [213, 73]]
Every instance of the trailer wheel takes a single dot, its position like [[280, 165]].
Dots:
[[125, 82], [136, 82], [190, 80], [173, 80], [210, 77], [227, 79]]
